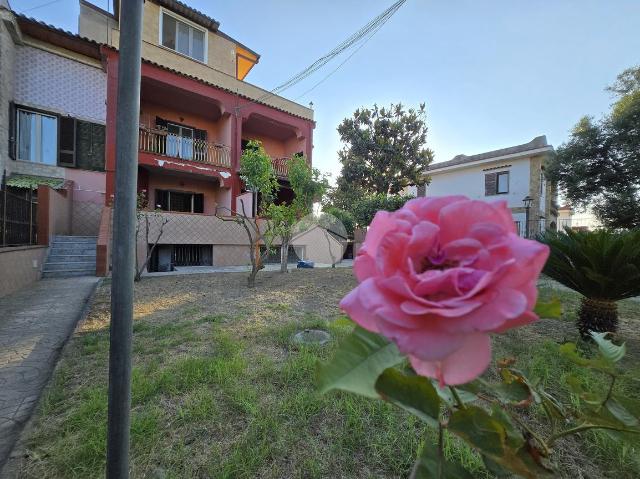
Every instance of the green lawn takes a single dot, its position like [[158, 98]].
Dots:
[[219, 389]]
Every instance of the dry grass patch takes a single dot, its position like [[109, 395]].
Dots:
[[220, 391]]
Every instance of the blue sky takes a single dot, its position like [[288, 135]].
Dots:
[[492, 73]]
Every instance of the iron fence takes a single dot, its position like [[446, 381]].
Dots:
[[18, 216], [533, 227]]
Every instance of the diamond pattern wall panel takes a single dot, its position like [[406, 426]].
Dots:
[[56, 83]]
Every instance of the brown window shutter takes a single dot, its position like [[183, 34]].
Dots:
[[67, 141], [490, 184], [422, 190], [12, 130]]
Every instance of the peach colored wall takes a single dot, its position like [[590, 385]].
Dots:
[[217, 131], [88, 185], [274, 148], [25, 264], [224, 200], [211, 191], [247, 201], [295, 145], [59, 213]]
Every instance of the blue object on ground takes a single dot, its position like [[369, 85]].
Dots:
[[305, 264]]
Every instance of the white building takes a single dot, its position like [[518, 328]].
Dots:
[[577, 220], [510, 174]]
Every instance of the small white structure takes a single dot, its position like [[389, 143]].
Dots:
[[569, 218], [515, 174], [320, 245]]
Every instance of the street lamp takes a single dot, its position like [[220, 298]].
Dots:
[[527, 200]]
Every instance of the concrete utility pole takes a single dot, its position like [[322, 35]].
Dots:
[[124, 241]]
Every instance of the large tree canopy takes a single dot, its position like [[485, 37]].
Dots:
[[384, 149], [600, 163]]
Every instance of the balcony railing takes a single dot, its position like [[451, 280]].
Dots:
[[280, 166], [161, 142]]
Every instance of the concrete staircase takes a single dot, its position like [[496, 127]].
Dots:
[[71, 256]]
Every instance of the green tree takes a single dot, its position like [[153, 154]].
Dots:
[[256, 170], [344, 216], [600, 163], [308, 186], [366, 207], [603, 266], [384, 150]]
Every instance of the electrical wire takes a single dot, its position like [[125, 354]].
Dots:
[[339, 66], [41, 5], [364, 33]]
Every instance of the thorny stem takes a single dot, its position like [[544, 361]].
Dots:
[[440, 448], [586, 427], [533, 434], [456, 396]]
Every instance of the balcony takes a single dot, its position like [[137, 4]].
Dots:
[[161, 142], [280, 166]]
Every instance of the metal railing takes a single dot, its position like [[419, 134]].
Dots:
[[280, 166], [161, 142], [536, 226], [18, 217]]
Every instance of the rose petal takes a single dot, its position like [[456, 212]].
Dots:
[[464, 365], [522, 320], [352, 305], [429, 344]]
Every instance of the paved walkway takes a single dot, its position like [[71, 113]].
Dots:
[[35, 323]]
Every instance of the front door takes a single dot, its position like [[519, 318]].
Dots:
[[179, 141]]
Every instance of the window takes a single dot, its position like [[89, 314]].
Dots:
[[496, 183], [182, 37], [180, 201], [502, 183], [37, 137]]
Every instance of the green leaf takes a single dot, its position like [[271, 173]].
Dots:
[[608, 350], [358, 362], [569, 351], [432, 465], [414, 394], [549, 309], [480, 430], [515, 393], [446, 396], [515, 440], [621, 413]]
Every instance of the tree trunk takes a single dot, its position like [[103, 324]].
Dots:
[[284, 255], [597, 315]]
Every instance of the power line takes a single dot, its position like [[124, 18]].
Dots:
[[41, 5], [365, 33], [339, 66]]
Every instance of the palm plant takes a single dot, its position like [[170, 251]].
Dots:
[[603, 266]]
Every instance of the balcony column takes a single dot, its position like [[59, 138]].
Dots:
[[308, 135], [236, 152], [110, 128]]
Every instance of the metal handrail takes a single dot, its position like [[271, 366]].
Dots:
[[161, 142]]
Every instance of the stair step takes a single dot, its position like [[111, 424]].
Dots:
[[74, 238], [67, 274], [68, 266], [80, 250], [75, 256]]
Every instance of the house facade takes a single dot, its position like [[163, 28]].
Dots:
[[59, 105], [197, 113], [515, 174]]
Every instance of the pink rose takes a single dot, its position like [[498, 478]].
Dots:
[[440, 274]]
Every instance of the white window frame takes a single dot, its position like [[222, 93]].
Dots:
[[192, 26], [498, 174], [38, 136]]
